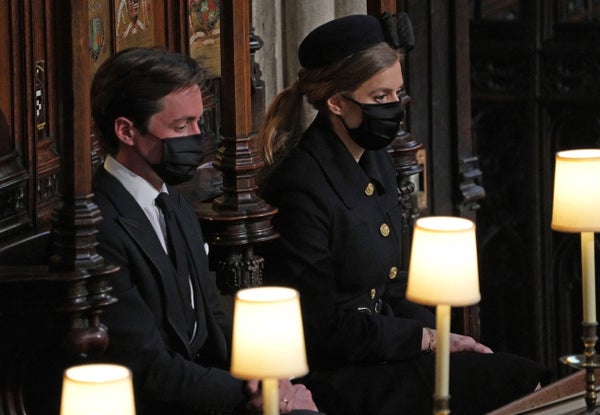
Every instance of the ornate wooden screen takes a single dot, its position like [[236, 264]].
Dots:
[[535, 90]]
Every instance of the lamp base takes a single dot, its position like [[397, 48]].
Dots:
[[589, 362], [581, 361], [441, 405], [593, 411]]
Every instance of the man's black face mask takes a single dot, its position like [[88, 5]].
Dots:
[[181, 158]]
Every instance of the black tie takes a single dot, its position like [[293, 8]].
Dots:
[[179, 257]]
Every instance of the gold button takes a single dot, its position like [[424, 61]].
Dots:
[[372, 293], [369, 189], [393, 273], [384, 229]]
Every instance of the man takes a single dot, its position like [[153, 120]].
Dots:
[[167, 325]]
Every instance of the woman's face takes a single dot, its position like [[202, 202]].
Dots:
[[383, 87]]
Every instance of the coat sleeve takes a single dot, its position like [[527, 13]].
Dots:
[[302, 259]]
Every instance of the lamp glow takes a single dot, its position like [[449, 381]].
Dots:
[[268, 339], [443, 271], [576, 191], [97, 389]]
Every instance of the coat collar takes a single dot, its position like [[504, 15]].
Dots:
[[347, 177]]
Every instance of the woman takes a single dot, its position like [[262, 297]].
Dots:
[[339, 218]]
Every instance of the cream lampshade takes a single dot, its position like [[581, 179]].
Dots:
[[576, 202], [97, 389], [268, 339], [443, 262], [443, 272]]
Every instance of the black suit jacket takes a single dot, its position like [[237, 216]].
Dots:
[[146, 326]]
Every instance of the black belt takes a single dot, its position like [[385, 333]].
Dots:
[[373, 308]]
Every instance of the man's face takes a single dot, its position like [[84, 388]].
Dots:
[[180, 116]]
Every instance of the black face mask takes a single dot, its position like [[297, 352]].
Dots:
[[380, 123], [181, 158]]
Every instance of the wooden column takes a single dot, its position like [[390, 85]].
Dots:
[[75, 221], [470, 176], [376, 7], [238, 219]]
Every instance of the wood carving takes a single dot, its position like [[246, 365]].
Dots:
[[237, 219]]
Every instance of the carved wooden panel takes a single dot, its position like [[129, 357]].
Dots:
[[29, 160], [535, 70]]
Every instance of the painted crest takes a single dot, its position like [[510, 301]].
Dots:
[[97, 37], [204, 15]]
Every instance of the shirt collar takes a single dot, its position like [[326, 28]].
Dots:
[[142, 191]]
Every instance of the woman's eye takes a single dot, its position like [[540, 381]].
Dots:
[[379, 98]]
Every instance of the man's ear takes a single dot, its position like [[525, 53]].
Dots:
[[336, 104], [125, 130]]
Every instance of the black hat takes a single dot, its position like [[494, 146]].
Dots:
[[348, 35]]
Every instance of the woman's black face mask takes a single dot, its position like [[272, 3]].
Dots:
[[181, 158], [380, 123]]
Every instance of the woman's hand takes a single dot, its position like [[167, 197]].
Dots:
[[294, 397], [290, 396], [458, 343]]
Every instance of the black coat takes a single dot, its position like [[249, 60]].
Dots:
[[340, 246], [146, 326]]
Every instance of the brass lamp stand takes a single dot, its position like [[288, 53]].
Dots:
[[589, 361]]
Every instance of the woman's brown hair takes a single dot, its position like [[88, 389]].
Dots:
[[283, 123]]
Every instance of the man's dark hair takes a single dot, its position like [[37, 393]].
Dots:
[[132, 83]]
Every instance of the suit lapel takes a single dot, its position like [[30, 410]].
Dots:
[[195, 245], [136, 224]]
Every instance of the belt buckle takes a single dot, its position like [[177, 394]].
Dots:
[[376, 309], [378, 306], [364, 310]]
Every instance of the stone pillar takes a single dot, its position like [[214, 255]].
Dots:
[[282, 25], [267, 23]]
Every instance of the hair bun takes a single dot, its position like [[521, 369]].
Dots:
[[398, 30]]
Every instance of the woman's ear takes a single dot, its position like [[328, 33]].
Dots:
[[335, 104], [124, 130]]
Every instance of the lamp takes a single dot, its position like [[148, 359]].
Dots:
[[443, 272], [97, 389], [575, 209], [268, 339]]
